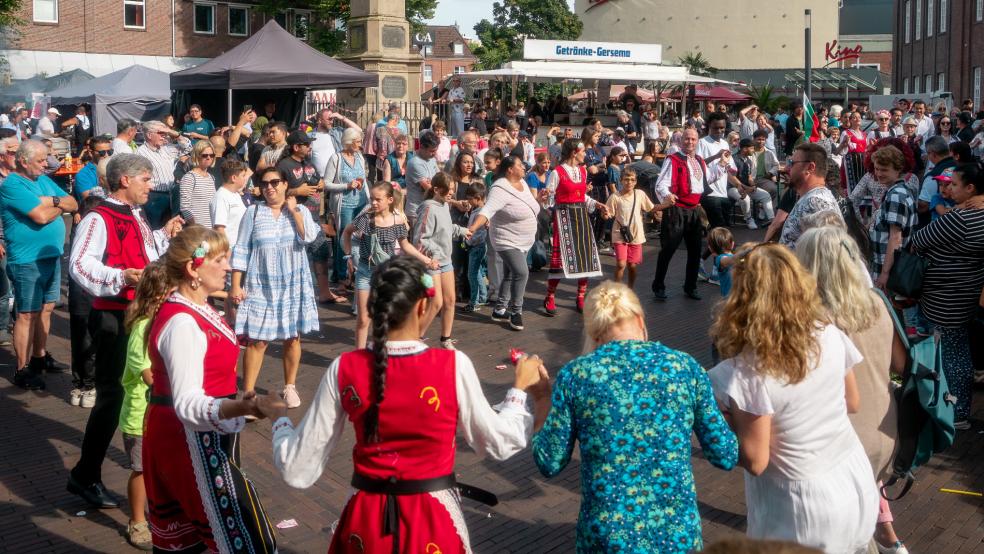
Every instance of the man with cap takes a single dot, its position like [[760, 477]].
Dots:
[[46, 126], [303, 179], [746, 193]]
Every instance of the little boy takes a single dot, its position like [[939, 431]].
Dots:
[[721, 243], [941, 203], [477, 250], [136, 381]]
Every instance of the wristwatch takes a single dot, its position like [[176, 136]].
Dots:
[[55, 201]]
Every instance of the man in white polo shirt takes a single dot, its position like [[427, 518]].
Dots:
[[713, 149]]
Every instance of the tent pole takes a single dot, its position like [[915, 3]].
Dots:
[[229, 108], [683, 103]]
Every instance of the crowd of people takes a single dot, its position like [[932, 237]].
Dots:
[[206, 240]]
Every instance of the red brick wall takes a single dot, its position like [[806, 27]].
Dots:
[[96, 26], [884, 59]]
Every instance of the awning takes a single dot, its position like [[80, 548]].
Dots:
[[24, 64], [551, 71]]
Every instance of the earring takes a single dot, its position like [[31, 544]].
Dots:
[[195, 283]]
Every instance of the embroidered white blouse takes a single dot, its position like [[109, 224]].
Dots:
[[300, 453]]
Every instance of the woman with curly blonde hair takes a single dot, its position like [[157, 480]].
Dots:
[[787, 387]]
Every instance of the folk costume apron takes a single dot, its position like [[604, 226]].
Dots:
[[575, 252]]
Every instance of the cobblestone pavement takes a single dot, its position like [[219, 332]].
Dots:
[[42, 433]]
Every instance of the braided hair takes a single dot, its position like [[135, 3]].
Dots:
[[397, 285]]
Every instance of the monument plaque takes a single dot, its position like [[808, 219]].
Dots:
[[394, 37], [357, 38], [394, 87], [379, 41]]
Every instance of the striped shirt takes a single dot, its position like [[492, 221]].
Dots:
[[164, 160], [196, 193], [954, 246]]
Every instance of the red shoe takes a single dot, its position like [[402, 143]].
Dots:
[[549, 306], [580, 303]]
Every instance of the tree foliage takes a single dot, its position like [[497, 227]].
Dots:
[[512, 20], [331, 17], [697, 64], [766, 98]]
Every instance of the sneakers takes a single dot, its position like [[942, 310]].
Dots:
[[702, 274], [500, 315], [751, 223], [897, 548], [962, 425], [470, 309], [660, 294], [516, 322], [550, 305], [138, 535], [290, 396], [75, 397], [5, 338], [448, 343], [88, 399], [29, 379]]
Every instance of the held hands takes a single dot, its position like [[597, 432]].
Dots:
[[174, 226], [532, 377], [304, 190], [237, 294], [132, 276], [271, 406]]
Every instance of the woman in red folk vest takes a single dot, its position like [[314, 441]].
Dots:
[[198, 497], [406, 402], [575, 253]]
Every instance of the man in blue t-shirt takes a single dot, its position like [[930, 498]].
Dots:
[[31, 207], [197, 128], [87, 179]]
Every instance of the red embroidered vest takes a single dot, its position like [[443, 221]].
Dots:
[[219, 379], [418, 416], [680, 180], [568, 190], [124, 249]]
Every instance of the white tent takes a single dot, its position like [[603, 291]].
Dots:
[[550, 71], [135, 92]]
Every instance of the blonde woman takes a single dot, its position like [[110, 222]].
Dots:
[[345, 182], [197, 187], [844, 288], [632, 405], [787, 385]]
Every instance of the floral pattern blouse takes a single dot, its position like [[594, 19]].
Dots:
[[632, 406]]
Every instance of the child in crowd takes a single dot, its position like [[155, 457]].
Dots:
[[227, 210], [433, 234], [941, 203], [721, 243], [137, 379], [477, 249], [537, 176], [628, 233], [617, 158], [491, 159], [380, 229]]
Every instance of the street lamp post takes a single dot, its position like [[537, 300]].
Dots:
[[808, 14]]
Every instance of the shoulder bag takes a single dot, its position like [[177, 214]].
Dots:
[[625, 230]]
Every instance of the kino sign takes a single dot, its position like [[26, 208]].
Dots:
[[834, 54], [580, 51]]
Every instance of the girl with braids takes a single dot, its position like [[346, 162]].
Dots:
[[198, 497], [383, 226], [406, 402]]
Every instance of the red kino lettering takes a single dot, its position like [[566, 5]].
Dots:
[[835, 54]]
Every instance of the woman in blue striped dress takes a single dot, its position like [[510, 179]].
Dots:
[[276, 301]]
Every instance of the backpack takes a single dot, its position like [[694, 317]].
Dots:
[[925, 408]]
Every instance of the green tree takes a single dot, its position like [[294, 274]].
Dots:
[[697, 64], [512, 20], [331, 17], [766, 98]]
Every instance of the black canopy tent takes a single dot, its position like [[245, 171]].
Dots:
[[271, 65]]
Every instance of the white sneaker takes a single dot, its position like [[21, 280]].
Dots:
[[88, 398], [75, 397], [751, 223], [448, 344], [897, 548], [290, 396]]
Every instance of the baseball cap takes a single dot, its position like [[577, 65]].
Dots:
[[298, 137], [946, 176], [54, 111]]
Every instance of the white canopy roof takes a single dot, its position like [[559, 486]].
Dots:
[[546, 70]]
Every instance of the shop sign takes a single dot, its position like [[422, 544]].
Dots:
[[577, 50], [835, 53]]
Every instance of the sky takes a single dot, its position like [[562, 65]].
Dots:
[[466, 13]]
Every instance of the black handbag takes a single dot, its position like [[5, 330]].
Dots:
[[907, 274]]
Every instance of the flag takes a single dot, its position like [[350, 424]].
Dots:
[[811, 123]]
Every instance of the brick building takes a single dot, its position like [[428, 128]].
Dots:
[[101, 36], [445, 53], [939, 46]]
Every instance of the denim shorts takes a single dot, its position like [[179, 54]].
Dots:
[[443, 269], [35, 284], [363, 277]]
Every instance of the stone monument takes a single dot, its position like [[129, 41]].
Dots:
[[379, 42]]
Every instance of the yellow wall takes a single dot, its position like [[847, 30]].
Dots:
[[732, 34]]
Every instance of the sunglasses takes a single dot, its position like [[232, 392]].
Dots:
[[944, 122], [271, 183], [206, 156], [105, 152], [883, 119]]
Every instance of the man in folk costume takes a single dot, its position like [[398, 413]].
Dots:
[[679, 188], [575, 253], [113, 244]]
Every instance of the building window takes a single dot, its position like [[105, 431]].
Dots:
[[205, 19], [979, 11], [133, 14], [930, 22], [459, 49], [302, 24], [940, 82], [459, 69], [915, 85], [905, 86], [428, 50], [977, 86], [46, 11], [238, 21], [929, 84], [908, 21], [428, 73], [944, 14], [918, 19]]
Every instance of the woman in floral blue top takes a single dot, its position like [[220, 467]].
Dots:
[[632, 405]]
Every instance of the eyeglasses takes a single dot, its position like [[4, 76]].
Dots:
[[105, 152], [206, 156], [10, 153], [883, 119], [271, 183]]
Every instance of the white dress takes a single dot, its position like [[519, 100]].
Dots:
[[817, 489]]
